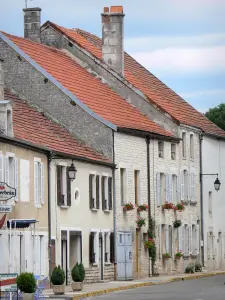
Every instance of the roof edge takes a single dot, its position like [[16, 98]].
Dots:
[[56, 83]]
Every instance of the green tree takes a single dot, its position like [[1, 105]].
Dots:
[[217, 115]]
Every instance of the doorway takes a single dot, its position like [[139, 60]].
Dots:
[[138, 241], [101, 256], [64, 258], [124, 256]]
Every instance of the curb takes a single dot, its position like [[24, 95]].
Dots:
[[143, 284]]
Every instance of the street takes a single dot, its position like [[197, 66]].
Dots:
[[211, 288]]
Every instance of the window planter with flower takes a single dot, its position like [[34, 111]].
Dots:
[[128, 206], [143, 207], [150, 243], [177, 223], [179, 207], [140, 222], [166, 255], [168, 206], [178, 255]]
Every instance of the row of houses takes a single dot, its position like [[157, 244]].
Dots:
[[85, 130]]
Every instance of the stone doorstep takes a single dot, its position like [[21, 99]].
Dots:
[[113, 286]]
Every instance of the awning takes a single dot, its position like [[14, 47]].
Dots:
[[20, 223]]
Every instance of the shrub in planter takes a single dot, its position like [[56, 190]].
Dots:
[[198, 267], [26, 283], [143, 207], [178, 255], [190, 268], [166, 255], [78, 275], [179, 206], [140, 222], [168, 205], [177, 223], [128, 206], [58, 279], [149, 243]]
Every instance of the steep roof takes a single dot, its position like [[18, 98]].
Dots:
[[99, 97], [156, 91], [32, 126]]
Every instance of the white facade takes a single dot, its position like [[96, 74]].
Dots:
[[213, 153]]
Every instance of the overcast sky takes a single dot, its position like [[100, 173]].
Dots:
[[181, 42]]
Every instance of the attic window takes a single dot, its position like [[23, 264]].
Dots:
[[9, 122], [6, 126], [173, 151], [161, 149]]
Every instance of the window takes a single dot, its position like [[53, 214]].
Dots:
[[161, 149], [107, 247], [192, 146], [9, 123], [106, 193], [184, 145], [94, 191], [170, 240], [185, 185], [173, 151], [63, 187], [186, 240], [11, 172], [137, 186], [123, 186], [93, 247], [210, 204], [162, 188], [174, 189]]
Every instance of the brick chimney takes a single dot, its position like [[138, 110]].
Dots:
[[1, 81], [32, 24], [113, 38]]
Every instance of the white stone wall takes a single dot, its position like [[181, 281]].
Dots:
[[213, 162]]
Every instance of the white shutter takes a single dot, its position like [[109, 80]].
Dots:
[[167, 188], [190, 192], [1, 168], [214, 245], [197, 239], [182, 185], [187, 186], [178, 189], [194, 187], [190, 239], [171, 189], [160, 241], [16, 178], [158, 190], [167, 239], [36, 184], [180, 232], [42, 184], [183, 238], [7, 169]]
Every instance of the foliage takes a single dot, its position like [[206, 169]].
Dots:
[[140, 222], [166, 255], [168, 205], [198, 267], [143, 207], [217, 115], [82, 271], [178, 255], [180, 206], [26, 283], [190, 268], [58, 276], [78, 273], [152, 250], [177, 223], [128, 206], [149, 243]]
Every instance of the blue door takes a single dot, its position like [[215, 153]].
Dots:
[[124, 256]]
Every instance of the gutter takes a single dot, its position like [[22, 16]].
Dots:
[[114, 215], [201, 203], [49, 216]]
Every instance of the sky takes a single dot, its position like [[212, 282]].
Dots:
[[181, 42]]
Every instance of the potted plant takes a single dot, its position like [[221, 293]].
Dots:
[[128, 206], [190, 268], [177, 223], [179, 206], [178, 255], [166, 255], [142, 207], [57, 280], [149, 243], [168, 205], [198, 267], [27, 285], [140, 222], [78, 275]]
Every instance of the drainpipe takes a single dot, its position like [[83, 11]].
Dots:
[[149, 191], [201, 201], [114, 216], [49, 214]]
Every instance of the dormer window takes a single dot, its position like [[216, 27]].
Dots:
[[173, 151], [6, 127], [161, 149]]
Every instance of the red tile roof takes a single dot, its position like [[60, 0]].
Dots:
[[157, 92], [32, 126], [90, 90]]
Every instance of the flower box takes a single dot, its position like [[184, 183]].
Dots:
[[128, 206], [168, 206], [140, 222], [179, 207], [178, 255], [150, 243], [143, 207], [166, 255]]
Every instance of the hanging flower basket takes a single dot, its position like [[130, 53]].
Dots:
[[178, 255], [168, 205], [128, 206], [180, 206], [143, 207], [140, 222], [177, 223], [150, 243], [166, 255]]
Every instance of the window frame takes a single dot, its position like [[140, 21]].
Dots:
[[123, 186], [192, 154], [161, 149], [184, 145], [173, 151]]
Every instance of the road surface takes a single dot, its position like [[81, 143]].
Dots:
[[210, 288]]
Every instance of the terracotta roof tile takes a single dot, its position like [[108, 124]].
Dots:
[[51, 135], [90, 90], [151, 86]]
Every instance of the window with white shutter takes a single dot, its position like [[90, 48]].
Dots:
[[1, 168], [42, 183], [38, 183], [6, 170], [158, 190], [182, 186], [186, 185], [197, 229], [171, 188], [16, 185], [160, 240], [167, 188], [167, 238], [180, 237], [178, 189], [190, 239], [174, 189]]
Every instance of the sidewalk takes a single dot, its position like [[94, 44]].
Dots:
[[97, 289]]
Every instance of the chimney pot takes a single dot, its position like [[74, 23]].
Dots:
[[106, 9], [116, 9], [32, 24]]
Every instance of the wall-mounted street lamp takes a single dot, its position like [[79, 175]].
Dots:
[[217, 182], [72, 172]]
